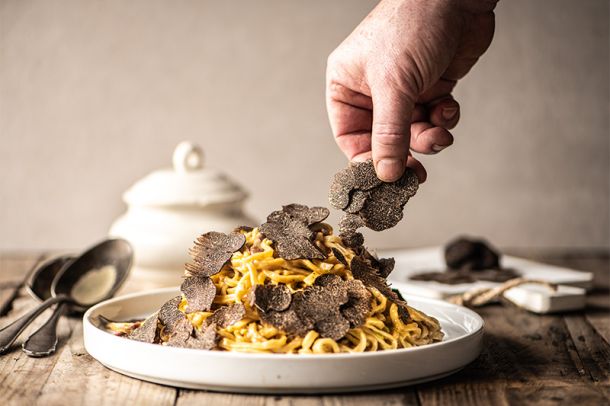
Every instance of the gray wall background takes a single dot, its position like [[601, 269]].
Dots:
[[95, 94]]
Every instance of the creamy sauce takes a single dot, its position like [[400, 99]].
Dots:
[[94, 285]]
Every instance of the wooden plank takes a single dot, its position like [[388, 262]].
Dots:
[[467, 393], [22, 377], [78, 379], [523, 347], [14, 268], [386, 398], [13, 272], [537, 394], [593, 351]]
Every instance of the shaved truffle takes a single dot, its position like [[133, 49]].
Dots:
[[289, 230], [353, 240], [340, 188], [175, 323], [358, 303], [287, 321], [227, 315], [211, 251], [272, 297], [203, 340], [471, 254], [384, 266], [364, 175], [147, 332], [454, 277], [321, 307], [359, 198], [334, 327], [340, 257], [360, 193], [384, 206], [362, 271], [328, 280], [349, 223], [199, 292]]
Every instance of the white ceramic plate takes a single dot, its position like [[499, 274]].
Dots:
[[280, 373]]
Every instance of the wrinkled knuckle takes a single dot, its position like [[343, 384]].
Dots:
[[388, 134]]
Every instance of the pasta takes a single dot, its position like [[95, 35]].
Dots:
[[257, 263]]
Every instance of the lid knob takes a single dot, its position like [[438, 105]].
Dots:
[[187, 157]]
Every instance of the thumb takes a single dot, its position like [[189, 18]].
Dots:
[[392, 109]]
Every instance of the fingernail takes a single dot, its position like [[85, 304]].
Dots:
[[438, 148], [389, 170], [449, 113]]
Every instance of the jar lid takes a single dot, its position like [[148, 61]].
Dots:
[[187, 184]]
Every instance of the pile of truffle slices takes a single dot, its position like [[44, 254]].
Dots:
[[331, 306]]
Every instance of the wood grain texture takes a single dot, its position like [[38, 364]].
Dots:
[[527, 359]]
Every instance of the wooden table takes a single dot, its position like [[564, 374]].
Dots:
[[562, 359]]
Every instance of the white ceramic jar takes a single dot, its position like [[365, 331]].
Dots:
[[168, 209]]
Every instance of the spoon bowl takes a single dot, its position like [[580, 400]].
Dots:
[[94, 276], [39, 284]]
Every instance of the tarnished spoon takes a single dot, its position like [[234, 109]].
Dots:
[[91, 278], [43, 341]]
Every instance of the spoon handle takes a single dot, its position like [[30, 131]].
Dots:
[[9, 334], [43, 341]]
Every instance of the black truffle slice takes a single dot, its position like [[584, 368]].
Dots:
[[175, 323], [362, 271], [379, 205], [384, 207], [300, 213], [353, 240], [319, 305], [340, 257], [457, 276], [328, 280], [287, 321], [386, 266], [359, 198], [349, 223], [199, 292], [340, 188], [334, 327], [289, 230], [364, 174], [316, 303], [203, 340], [471, 254], [227, 315], [211, 251], [272, 297], [315, 307], [358, 304], [147, 332]]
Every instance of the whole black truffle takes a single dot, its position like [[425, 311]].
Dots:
[[471, 254]]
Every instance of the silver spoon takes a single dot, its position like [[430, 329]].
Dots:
[[43, 341], [93, 277]]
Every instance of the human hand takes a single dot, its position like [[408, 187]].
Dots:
[[388, 85]]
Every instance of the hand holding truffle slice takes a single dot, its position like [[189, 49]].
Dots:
[[366, 200]]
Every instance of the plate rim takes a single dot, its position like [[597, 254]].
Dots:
[[277, 356]]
